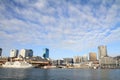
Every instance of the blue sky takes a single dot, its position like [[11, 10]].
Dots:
[[67, 27]]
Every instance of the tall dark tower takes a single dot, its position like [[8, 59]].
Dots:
[[0, 51], [46, 53]]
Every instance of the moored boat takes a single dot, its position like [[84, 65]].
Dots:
[[17, 64]]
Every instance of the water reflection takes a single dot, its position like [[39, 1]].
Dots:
[[46, 74], [59, 74], [13, 73]]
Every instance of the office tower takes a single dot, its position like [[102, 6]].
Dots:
[[92, 56], [13, 53], [0, 51], [102, 51], [46, 53], [26, 53]]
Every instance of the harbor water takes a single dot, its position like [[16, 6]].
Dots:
[[59, 74]]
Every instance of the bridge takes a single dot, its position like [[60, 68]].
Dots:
[[39, 63]]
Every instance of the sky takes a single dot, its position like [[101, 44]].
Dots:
[[67, 28]]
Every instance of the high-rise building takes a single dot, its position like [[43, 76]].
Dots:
[[24, 53], [0, 51], [14, 53], [102, 51], [46, 53], [92, 56]]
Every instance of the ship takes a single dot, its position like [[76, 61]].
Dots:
[[17, 64]]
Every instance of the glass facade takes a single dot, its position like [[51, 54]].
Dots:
[[46, 53]]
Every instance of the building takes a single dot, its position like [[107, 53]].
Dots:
[[118, 61], [92, 56], [0, 51], [58, 62], [54, 63], [77, 59], [14, 53], [67, 61], [84, 58], [108, 62], [46, 53], [102, 51], [30, 53], [26, 53]]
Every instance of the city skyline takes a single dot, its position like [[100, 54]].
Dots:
[[102, 48], [66, 27]]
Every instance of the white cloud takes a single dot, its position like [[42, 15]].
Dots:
[[62, 24]]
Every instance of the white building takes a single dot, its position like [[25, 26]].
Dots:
[[84, 58], [77, 59], [13, 53], [26, 53]]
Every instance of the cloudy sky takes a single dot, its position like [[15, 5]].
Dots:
[[67, 27]]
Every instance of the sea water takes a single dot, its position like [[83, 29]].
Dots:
[[59, 74]]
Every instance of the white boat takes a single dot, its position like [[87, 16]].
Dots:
[[17, 64], [94, 67]]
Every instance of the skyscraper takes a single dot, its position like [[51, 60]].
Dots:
[[102, 51], [0, 51], [46, 53], [92, 56]]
